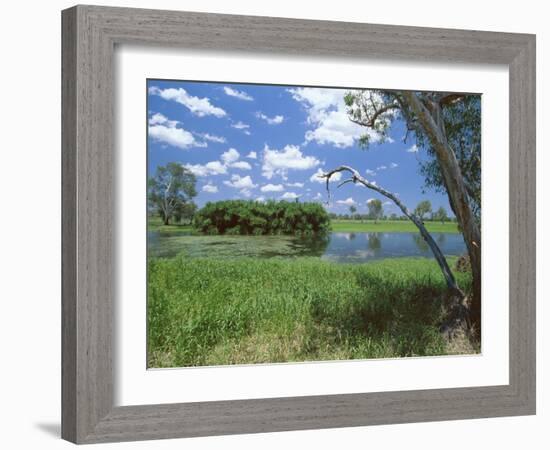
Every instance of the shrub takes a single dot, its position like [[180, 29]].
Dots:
[[258, 218]]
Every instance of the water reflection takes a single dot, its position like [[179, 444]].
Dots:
[[374, 242], [371, 246], [421, 243], [339, 247]]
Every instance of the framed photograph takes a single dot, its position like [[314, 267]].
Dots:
[[276, 224]]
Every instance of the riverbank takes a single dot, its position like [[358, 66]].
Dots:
[[337, 225], [207, 311], [390, 226]]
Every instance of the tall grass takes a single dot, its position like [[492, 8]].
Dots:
[[248, 310]]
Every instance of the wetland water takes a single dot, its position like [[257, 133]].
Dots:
[[338, 247]]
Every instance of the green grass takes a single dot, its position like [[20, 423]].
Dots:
[[387, 226], [248, 310], [154, 223], [338, 225]]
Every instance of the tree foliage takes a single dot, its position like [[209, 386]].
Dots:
[[440, 215], [461, 115], [423, 209], [376, 211], [448, 127], [258, 218], [171, 191]]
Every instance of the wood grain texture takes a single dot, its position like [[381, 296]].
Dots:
[[89, 36]]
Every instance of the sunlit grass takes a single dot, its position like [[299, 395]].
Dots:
[[248, 310], [154, 223], [387, 226]]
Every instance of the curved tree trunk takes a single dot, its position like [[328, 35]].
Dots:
[[432, 124], [458, 295]]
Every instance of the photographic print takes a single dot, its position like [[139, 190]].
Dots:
[[299, 223]]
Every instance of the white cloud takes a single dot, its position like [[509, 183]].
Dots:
[[413, 149], [211, 168], [230, 156], [281, 161], [230, 159], [297, 184], [216, 167], [275, 120], [272, 188], [261, 198], [252, 155], [210, 188], [381, 168], [237, 94], [239, 182], [240, 125], [289, 196], [213, 138], [388, 203], [327, 114], [348, 201], [160, 119], [316, 177], [393, 165], [243, 165], [370, 172], [163, 130], [198, 169], [198, 106]]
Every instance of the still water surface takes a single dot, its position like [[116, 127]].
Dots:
[[338, 247]]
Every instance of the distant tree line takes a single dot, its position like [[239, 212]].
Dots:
[[376, 212], [260, 218]]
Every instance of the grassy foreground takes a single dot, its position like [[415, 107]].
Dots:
[[248, 310], [388, 226]]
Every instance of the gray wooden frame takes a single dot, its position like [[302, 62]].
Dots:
[[89, 37]]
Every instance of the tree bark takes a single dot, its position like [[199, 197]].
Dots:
[[432, 124]]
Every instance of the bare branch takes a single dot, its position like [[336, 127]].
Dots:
[[450, 99], [350, 180], [440, 258], [377, 113]]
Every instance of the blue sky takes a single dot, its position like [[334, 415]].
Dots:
[[259, 142]]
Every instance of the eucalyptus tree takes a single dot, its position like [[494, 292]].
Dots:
[[171, 191], [423, 209], [447, 126], [376, 209], [440, 215]]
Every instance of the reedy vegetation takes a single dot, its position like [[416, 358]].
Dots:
[[250, 310]]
